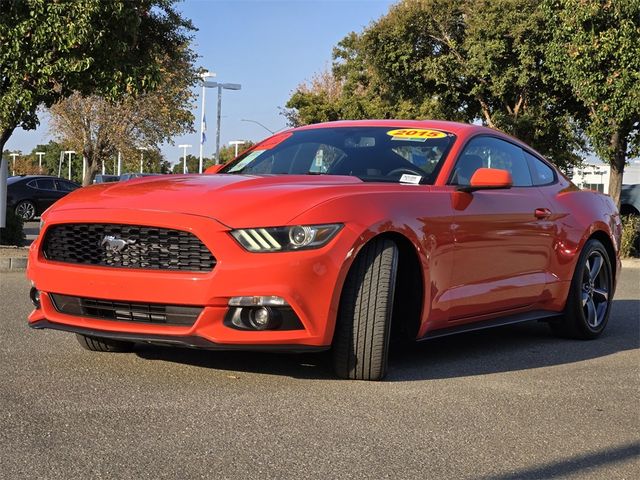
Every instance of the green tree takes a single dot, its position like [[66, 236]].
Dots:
[[464, 60], [595, 51], [99, 128], [51, 157], [52, 49]]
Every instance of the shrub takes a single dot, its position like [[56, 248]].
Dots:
[[630, 242], [13, 234]]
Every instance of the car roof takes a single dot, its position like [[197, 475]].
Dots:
[[452, 127]]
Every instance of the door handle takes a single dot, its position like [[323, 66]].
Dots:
[[542, 213]]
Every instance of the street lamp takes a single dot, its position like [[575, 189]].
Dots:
[[40, 155], [142, 150], [13, 158], [258, 123], [220, 86], [68, 152], [184, 152], [203, 120], [236, 143]]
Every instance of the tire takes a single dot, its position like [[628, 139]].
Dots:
[[26, 210], [589, 302], [361, 339], [103, 344]]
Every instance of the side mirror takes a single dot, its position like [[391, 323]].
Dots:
[[214, 168], [488, 179]]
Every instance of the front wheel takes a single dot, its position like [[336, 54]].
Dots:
[[589, 301], [361, 339]]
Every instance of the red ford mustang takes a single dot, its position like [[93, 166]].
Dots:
[[346, 235]]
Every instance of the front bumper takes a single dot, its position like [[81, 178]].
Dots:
[[310, 282]]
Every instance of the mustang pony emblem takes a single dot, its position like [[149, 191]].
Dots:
[[114, 244]]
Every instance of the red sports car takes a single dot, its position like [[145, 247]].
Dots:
[[346, 235]]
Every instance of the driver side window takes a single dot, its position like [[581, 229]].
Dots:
[[490, 152]]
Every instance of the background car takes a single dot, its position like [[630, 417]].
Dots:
[[30, 195], [130, 176], [100, 178], [630, 200]]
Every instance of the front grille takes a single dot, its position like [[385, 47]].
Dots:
[[125, 311], [127, 246]]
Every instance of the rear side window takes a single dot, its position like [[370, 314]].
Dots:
[[542, 173], [46, 184], [65, 186], [490, 152]]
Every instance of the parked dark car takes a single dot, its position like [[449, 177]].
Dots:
[[130, 176], [630, 199], [100, 178], [30, 195]]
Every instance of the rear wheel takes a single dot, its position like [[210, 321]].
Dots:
[[589, 302], [103, 344], [26, 210], [361, 340]]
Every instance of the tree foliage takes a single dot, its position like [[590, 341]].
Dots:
[[52, 49], [98, 127], [475, 60], [595, 51]]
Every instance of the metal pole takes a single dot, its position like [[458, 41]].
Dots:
[[69, 165], [84, 167], [103, 168], [4, 174], [60, 164], [204, 93], [141, 159], [40, 155], [119, 162], [217, 160], [13, 157]]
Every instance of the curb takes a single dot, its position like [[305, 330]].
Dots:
[[13, 264]]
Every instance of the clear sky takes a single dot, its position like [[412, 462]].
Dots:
[[268, 46]]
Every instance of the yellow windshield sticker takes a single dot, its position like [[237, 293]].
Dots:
[[415, 134]]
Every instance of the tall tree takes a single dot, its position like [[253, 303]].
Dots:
[[595, 50], [464, 60], [99, 127], [51, 49]]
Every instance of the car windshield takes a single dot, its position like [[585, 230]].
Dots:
[[377, 154]]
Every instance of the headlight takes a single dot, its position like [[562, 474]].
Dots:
[[282, 239]]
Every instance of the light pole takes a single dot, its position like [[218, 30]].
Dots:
[[258, 123], [142, 150], [203, 120], [236, 143], [220, 86], [69, 152], [40, 155], [184, 156], [13, 163]]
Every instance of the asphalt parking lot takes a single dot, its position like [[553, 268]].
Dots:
[[511, 403]]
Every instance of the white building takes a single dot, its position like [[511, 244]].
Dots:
[[596, 176]]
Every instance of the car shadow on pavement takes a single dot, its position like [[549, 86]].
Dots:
[[514, 347], [510, 348]]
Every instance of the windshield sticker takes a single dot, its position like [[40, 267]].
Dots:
[[413, 179], [245, 161], [414, 134]]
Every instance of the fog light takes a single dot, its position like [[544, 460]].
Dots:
[[34, 295], [260, 318]]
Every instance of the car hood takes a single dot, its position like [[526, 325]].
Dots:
[[234, 200]]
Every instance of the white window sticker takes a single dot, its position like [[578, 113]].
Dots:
[[243, 163], [414, 179]]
